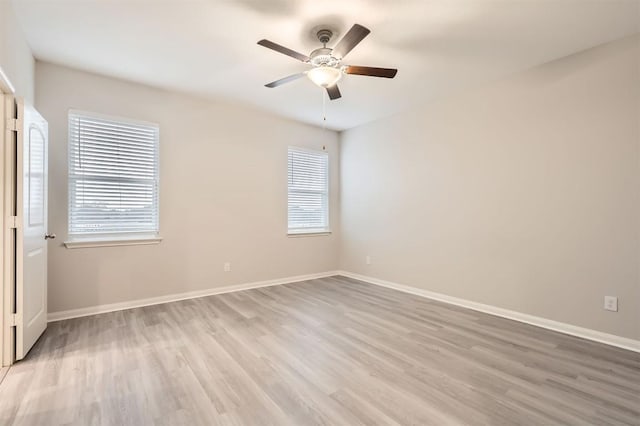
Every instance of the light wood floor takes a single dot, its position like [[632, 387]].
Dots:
[[329, 351]]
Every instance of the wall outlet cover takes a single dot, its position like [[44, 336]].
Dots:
[[611, 303]]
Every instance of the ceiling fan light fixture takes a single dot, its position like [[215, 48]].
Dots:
[[325, 76]]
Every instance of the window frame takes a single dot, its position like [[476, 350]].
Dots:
[[124, 238], [310, 232]]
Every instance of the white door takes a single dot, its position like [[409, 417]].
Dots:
[[31, 234]]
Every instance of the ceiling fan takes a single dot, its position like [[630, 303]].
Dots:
[[327, 64]]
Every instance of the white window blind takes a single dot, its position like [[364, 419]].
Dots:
[[308, 191], [113, 176]]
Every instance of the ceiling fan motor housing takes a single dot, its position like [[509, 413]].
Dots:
[[322, 58]]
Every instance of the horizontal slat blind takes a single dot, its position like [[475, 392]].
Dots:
[[308, 179], [113, 175]]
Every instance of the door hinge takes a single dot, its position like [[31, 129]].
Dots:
[[12, 124], [13, 320], [12, 222]]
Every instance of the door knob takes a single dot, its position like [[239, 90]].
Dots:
[[49, 236]]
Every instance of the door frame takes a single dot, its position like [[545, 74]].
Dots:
[[7, 337]]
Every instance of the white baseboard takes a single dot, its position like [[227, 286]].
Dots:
[[111, 307], [585, 333]]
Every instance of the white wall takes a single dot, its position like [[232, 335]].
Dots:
[[223, 195], [16, 60], [523, 195]]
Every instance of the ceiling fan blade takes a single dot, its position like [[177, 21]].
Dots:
[[285, 80], [284, 50], [371, 71], [333, 92], [350, 40]]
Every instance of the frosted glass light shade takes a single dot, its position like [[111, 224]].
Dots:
[[325, 76]]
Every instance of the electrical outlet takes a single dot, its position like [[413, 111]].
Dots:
[[227, 266], [368, 260], [611, 303]]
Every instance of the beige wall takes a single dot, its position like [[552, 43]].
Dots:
[[223, 195], [524, 194], [16, 60]]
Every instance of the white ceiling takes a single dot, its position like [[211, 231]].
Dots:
[[208, 47]]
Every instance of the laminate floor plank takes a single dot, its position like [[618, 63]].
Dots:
[[332, 351]]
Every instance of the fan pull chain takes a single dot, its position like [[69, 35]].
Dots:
[[324, 110]]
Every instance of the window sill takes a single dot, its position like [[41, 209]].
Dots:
[[112, 242], [295, 234]]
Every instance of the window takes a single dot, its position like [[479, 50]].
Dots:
[[308, 191], [113, 177]]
